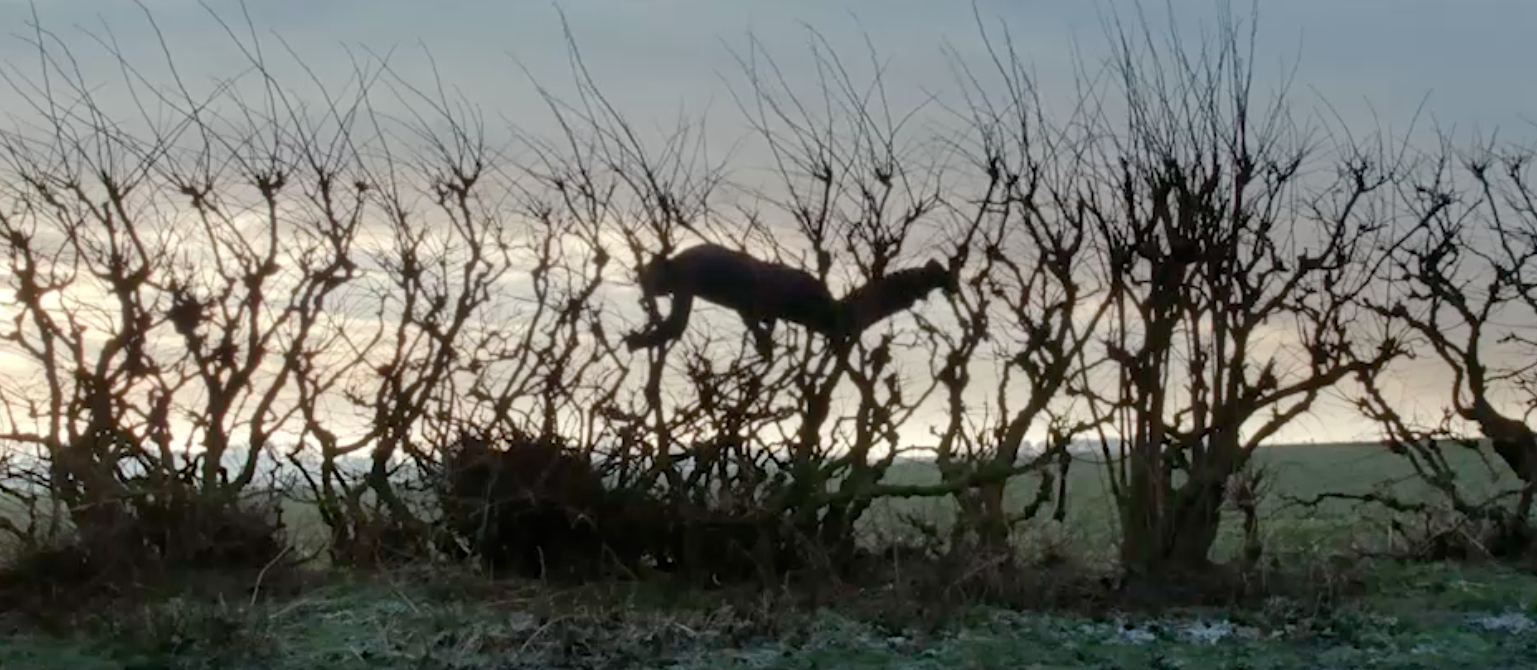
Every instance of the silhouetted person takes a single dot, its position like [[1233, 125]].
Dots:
[[763, 293]]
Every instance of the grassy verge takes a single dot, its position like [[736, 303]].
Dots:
[[1430, 616]]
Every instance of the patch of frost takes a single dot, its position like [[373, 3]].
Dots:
[[1202, 632], [1134, 636], [1509, 622]]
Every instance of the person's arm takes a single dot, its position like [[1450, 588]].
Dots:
[[670, 328]]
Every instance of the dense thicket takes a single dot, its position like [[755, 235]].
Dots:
[[261, 300]]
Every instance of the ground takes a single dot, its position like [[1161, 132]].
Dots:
[[1429, 616], [1426, 615]]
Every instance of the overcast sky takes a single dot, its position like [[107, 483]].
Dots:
[[1472, 58]]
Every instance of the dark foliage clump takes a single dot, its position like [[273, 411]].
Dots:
[[539, 510], [533, 507], [144, 542], [205, 532], [716, 547], [1486, 533], [370, 539]]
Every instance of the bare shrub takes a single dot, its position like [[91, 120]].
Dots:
[[1231, 269], [143, 271], [1462, 270]]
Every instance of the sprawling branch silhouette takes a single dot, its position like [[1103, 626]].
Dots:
[[1463, 274], [1234, 280]]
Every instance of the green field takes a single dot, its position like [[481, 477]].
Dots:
[[1294, 472], [1411, 616]]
